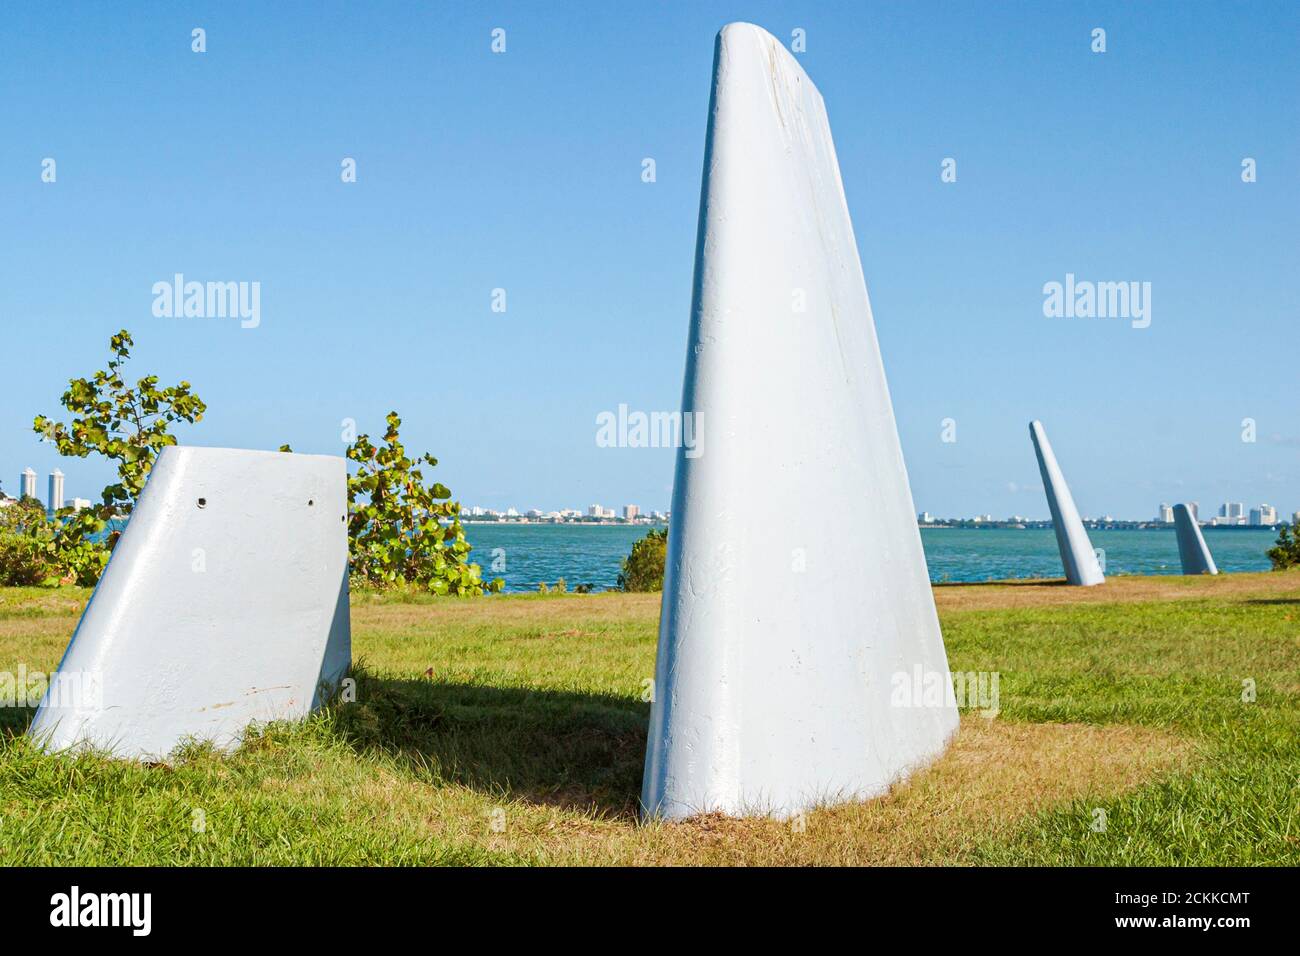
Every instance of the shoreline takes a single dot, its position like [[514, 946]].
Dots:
[[567, 524]]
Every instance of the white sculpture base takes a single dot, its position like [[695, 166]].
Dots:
[[1193, 552], [225, 602], [1078, 558]]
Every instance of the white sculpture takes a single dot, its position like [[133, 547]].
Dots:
[[1193, 552], [225, 602], [797, 612], [1077, 556]]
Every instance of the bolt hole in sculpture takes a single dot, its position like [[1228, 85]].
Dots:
[[208, 619], [780, 669]]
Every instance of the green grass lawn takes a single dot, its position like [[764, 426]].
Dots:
[[511, 730]]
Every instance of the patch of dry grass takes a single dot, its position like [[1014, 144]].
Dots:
[[993, 776], [1053, 592]]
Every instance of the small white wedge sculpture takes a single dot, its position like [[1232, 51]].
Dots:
[[225, 602], [1193, 552], [1077, 555], [792, 651]]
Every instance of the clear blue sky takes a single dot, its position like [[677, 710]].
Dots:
[[522, 171]]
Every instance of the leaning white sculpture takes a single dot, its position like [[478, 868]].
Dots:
[[225, 602], [1077, 556], [788, 646], [1193, 552]]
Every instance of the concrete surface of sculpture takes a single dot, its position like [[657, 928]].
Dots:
[[792, 653], [1193, 552], [1077, 555], [225, 602]]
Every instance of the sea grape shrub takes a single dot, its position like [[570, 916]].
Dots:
[[1286, 553], [27, 550], [402, 531], [128, 423], [396, 529], [643, 569]]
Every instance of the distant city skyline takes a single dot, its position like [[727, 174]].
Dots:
[[631, 514], [54, 499], [1229, 512]]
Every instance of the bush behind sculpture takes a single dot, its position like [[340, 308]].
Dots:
[[396, 529], [1286, 553], [28, 555], [126, 423], [643, 569], [399, 530]]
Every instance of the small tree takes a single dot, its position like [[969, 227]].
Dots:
[[643, 569], [396, 528], [126, 423], [1286, 553]]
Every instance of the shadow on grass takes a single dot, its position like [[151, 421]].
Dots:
[[567, 749], [14, 721]]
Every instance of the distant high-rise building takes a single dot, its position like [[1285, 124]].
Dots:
[[630, 512], [1263, 515], [1166, 514], [27, 484], [79, 504], [1233, 509], [596, 511], [1195, 508], [56, 490]]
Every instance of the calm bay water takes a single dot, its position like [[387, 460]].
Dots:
[[593, 554], [960, 554], [581, 554]]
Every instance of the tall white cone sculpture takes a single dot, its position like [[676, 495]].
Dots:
[[797, 614], [225, 602], [1193, 552], [1077, 555]]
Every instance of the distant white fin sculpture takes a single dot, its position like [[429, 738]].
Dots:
[[1077, 555], [803, 663], [225, 602], [1193, 552]]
